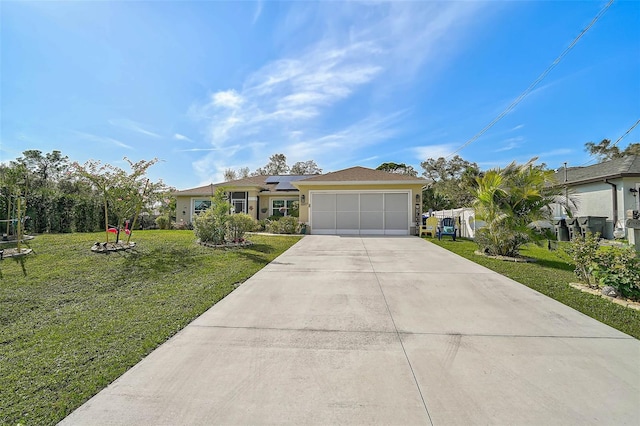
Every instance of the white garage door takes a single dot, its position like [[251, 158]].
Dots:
[[365, 213]]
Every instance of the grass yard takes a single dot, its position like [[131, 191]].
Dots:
[[78, 320], [551, 275]]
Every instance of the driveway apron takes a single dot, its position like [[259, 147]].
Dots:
[[380, 330]]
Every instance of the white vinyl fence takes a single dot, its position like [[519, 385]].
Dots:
[[465, 220]]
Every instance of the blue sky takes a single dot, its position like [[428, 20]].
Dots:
[[205, 86]]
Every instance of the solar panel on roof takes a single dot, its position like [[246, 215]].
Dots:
[[284, 186], [284, 181], [284, 178]]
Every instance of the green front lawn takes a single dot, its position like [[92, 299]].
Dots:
[[551, 275], [77, 320]]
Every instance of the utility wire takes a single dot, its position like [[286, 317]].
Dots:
[[616, 142], [626, 133], [534, 84]]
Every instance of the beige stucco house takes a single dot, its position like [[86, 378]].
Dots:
[[357, 200]]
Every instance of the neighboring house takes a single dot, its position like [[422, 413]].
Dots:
[[607, 189], [357, 200]]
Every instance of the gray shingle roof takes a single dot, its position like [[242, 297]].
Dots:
[[256, 181], [363, 174], [628, 166], [260, 182], [278, 183]]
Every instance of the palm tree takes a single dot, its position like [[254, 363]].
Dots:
[[509, 200]]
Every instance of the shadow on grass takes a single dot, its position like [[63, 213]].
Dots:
[[22, 260], [158, 259], [550, 259], [261, 257], [555, 265], [262, 248]]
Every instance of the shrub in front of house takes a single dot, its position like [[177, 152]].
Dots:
[[182, 226], [500, 241], [163, 222], [584, 252], [284, 225], [218, 227], [261, 225], [617, 267], [210, 226], [237, 225], [508, 200]]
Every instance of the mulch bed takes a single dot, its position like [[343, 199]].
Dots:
[[240, 244], [111, 247], [597, 292], [13, 252]]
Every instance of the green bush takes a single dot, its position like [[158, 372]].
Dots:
[[619, 267], [162, 222], [182, 226], [261, 225], [237, 225], [509, 200], [500, 242], [211, 225], [584, 253], [285, 225]]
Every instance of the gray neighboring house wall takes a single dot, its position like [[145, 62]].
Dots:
[[606, 189]]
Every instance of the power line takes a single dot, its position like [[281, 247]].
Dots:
[[616, 142], [626, 133], [535, 83]]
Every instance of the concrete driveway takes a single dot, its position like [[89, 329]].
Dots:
[[366, 330]]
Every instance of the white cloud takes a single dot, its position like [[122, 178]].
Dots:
[[285, 105], [180, 137], [366, 160], [523, 158], [227, 99], [344, 146], [198, 149], [434, 151], [511, 143], [257, 12], [554, 153], [133, 126], [103, 140]]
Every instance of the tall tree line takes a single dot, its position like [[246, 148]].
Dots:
[[55, 198]]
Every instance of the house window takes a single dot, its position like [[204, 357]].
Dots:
[[280, 207], [201, 205], [238, 206], [239, 202]]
